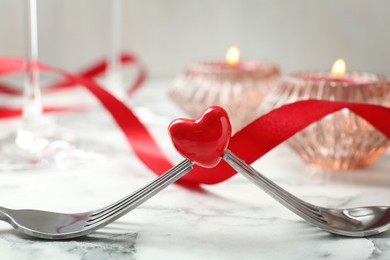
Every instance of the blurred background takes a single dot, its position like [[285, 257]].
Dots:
[[168, 34]]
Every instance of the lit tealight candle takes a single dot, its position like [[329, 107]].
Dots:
[[232, 56], [235, 84], [338, 69], [338, 74], [342, 140], [233, 62]]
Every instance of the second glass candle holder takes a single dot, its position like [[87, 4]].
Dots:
[[343, 140]]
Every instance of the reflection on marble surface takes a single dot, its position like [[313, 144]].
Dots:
[[95, 247], [231, 220]]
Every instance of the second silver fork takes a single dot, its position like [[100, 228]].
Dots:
[[352, 222]]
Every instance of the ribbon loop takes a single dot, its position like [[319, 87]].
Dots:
[[250, 143]]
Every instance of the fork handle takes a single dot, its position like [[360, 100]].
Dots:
[[135, 199], [3, 216]]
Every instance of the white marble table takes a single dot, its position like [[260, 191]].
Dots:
[[231, 220]]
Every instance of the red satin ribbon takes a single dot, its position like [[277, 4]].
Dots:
[[252, 142], [97, 69], [272, 129], [7, 112]]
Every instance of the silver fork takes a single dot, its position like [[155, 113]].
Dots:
[[52, 225], [352, 222]]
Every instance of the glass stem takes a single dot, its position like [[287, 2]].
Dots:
[[114, 70], [29, 134], [32, 109]]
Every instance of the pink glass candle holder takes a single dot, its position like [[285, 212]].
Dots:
[[342, 140], [238, 88]]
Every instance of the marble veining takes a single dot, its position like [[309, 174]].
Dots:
[[94, 247], [381, 247]]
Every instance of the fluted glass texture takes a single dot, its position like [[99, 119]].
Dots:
[[342, 140], [238, 91]]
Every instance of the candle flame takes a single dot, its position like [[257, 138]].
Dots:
[[338, 68], [233, 56]]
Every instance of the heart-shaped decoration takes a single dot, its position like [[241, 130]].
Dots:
[[203, 140]]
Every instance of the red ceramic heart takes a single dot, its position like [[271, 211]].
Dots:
[[203, 140]]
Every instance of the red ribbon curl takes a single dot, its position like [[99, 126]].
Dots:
[[97, 69], [250, 143]]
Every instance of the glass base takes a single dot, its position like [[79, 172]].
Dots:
[[53, 151]]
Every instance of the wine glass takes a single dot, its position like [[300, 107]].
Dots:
[[37, 143]]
